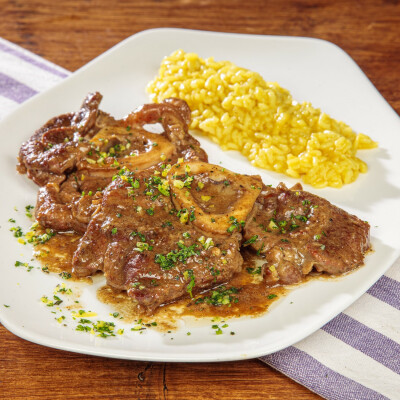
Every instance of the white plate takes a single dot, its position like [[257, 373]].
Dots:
[[313, 70]]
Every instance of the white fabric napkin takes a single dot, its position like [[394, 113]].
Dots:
[[354, 356]]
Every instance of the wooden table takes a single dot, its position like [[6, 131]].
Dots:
[[71, 33]]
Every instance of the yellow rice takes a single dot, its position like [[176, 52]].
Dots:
[[240, 111]]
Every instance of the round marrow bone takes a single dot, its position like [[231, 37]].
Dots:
[[247, 189], [155, 146]]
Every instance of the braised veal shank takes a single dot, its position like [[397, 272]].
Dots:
[[160, 222], [296, 232], [159, 247], [75, 156]]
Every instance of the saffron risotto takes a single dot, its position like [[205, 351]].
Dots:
[[240, 111]]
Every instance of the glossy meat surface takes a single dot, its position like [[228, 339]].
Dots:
[[162, 223], [157, 250], [296, 231], [111, 146], [56, 147]]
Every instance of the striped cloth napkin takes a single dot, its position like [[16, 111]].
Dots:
[[354, 356]]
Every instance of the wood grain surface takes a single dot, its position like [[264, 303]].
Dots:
[[71, 33]]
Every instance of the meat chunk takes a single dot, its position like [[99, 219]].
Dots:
[[157, 250], [296, 231], [64, 209], [123, 143], [130, 145], [57, 146], [161, 222]]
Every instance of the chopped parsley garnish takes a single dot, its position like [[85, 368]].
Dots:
[[28, 211], [142, 246], [185, 182], [250, 241], [188, 274], [301, 218], [155, 186], [254, 271], [63, 289], [85, 321], [83, 328], [218, 330], [170, 259], [220, 297], [206, 243], [41, 239], [49, 303], [114, 231], [260, 250], [22, 264], [58, 301], [17, 231], [140, 235], [215, 272], [135, 184], [272, 296], [65, 275], [185, 215], [104, 329], [235, 224], [163, 188]]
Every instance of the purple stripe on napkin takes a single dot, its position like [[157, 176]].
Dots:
[[30, 60], [306, 370], [387, 290], [370, 342], [14, 90]]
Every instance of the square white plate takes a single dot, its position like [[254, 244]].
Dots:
[[313, 70]]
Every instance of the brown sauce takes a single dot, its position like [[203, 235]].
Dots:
[[56, 254], [165, 317], [251, 297]]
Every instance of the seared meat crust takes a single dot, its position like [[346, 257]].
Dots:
[[147, 246], [99, 156], [65, 209], [57, 146], [169, 224], [297, 231]]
